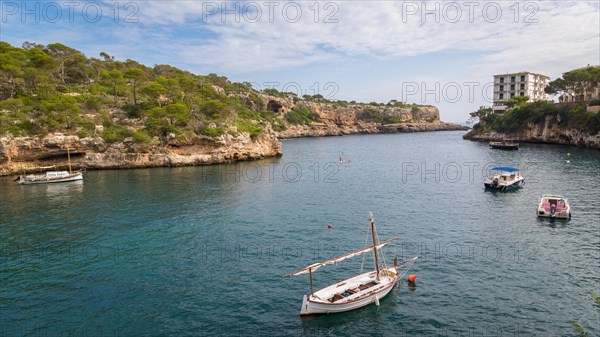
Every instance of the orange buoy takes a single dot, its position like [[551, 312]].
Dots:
[[330, 226], [412, 278]]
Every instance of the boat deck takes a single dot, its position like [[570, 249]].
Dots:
[[355, 287]]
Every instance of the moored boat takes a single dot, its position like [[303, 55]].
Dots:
[[52, 176], [504, 145], [508, 178], [357, 291], [554, 206]]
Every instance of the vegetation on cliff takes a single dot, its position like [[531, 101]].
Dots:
[[522, 113], [55, 88], [575, 83], [573, 114]]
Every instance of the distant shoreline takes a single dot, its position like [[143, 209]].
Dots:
[[17, 153], [563, 137]]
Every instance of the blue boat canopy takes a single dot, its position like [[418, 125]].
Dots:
[[505, 169]]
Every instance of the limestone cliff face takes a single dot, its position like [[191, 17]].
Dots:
[[19, 154], [546, 132], [339, 120]]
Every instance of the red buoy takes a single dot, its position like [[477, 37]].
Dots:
[[330, 226], [412, 278]]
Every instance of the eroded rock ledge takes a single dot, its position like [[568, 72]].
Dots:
[[547, 133], [322, 129], [345, 120], [18, 155]]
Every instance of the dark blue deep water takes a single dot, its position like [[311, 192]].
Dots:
[[203, 250]]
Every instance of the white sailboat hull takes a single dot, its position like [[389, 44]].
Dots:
[[45, 179], [355, 292], [328, 301]]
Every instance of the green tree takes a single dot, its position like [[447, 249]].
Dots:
[[516, 101], [134, 75], [107, 58], [213, 108], [60, 109], [114, 78], [10, 75], [481, 115], [63, 54], [575, 82], [177, 113], [155, 91]]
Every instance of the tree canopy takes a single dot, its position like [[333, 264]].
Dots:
[[56, 88], [575, 82]]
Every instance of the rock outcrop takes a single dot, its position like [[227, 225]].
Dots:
[[18, 155], [547, 132], [21, 154], [337, 120]]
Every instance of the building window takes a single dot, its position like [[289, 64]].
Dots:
[[522, 78], [501, 96], [512, 94], [512, 87], [521, 94], [512, 78], [522, 86], [501, 88], [501, 79]]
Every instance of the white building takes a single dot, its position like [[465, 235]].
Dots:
[[507, 86]]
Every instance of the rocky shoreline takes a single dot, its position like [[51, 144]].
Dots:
[[321, 130], [23, 154], [543, 134], [20, 155]]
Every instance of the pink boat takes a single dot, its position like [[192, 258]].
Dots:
[[554, 206]]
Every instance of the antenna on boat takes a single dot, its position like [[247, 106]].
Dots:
[[69, 157]]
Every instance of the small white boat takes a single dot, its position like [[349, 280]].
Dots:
[[554, 206], [52, 176], [508, 178], [357, 291]]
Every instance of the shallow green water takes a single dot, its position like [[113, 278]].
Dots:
[[202, 250]]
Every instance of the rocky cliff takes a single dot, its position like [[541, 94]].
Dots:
[[336, 119], [546, 132], [19, 154]]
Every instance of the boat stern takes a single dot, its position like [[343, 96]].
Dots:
[[551, 206]]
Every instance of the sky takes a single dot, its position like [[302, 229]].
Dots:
[[441, 53]]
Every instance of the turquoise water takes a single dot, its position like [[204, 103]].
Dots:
[[203, 250]]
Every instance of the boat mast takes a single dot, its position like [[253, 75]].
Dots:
[[69, 157], [374, 246], [312, 292]]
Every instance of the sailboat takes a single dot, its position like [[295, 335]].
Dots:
[[357, 291], [52, 176]]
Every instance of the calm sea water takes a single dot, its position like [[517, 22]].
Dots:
[[203, 250]]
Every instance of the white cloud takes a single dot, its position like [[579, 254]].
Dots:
[[379, 29], [193, 35]]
